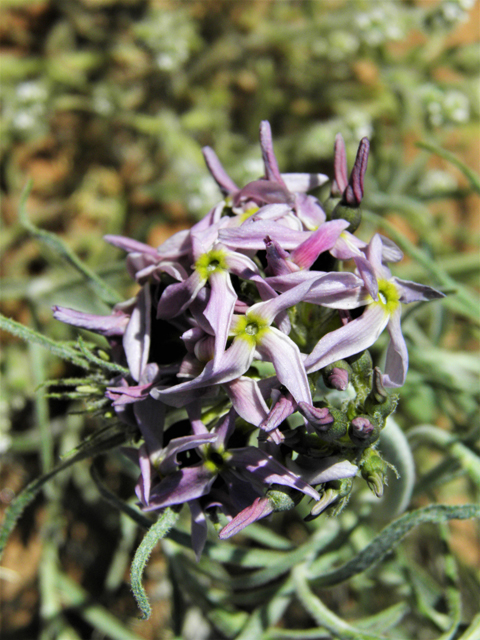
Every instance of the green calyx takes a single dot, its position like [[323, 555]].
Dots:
[[374, 470]]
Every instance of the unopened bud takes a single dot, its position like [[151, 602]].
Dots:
[[337, 375], [362, 374], [353, 194], [374, 470], [379, 403], [329, 424], [280, 500], [364, 431], [336, 495], [379, 393]]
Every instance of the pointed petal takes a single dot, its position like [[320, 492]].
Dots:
[[338, 291], [265, 469], [309, 210], [260, 508], [247, 400], [240, 265], [269, 309], [176, 246], [177, 297], [150, 416], [251, 236], [396, 362], [199, 527], [340, 166], [352, 338], [145, 480], [303, 182], [321, 240], [219, 310], [288, 363], [348, 246], [272, 171], [221, 177], [179, 487], [234, 362], [262, 191], [374, 252], [224, 428], [131, 246], [136, 340], [112, 325], [390, 251], [367, 273], [415, 292], [317, 471]]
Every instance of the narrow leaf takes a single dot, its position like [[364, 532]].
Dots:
[[29, 335], [157, 531], [389, 538]]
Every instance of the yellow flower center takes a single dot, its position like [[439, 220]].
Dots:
[[210, 262], [214, 460], [250, 328], [388, 296]]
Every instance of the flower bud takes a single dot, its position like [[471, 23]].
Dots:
[[337, 375], [280, 500], [329, 424], [364, 431], [379, 403], [336, 493], [362, 374], [374, 470]]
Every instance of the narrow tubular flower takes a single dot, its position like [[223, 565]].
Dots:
[[243, 334]]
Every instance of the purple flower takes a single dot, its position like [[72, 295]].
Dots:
[[383, 309]]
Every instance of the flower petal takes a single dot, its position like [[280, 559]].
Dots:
[[340, 181], [260, 508], [396, 363], [219, 310], [303, 182], [247, 399], [264, 468], [221, 177], [272, 171], [288, 363], [198, 527], [317, 471], [177, 297], [179, 487], [321, 240], [352, 338], [169, 455], [415, 292], [112, 325], [234, 362], [136, 339]]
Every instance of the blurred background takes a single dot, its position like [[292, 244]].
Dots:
[[105, 105]]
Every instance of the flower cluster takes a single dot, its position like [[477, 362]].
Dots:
[[250, 384]]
